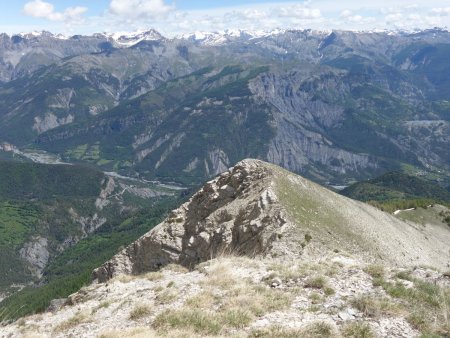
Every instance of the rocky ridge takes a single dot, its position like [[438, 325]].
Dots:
[[234, 213], [258, 209]]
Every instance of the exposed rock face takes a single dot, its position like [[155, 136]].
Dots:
[[256, 208], [236, 212], [50, 121], [36, 254], [301, 120]]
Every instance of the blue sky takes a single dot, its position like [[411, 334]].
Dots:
[[184, 16]]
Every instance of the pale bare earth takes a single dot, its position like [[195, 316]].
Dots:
[[106, 310]]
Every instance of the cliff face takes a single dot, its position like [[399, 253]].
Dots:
[[258, 209], [235, 213]]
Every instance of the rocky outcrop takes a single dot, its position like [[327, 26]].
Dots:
[[237, 212], [50, 121], [35, 252], [256, 208], [302, 118]]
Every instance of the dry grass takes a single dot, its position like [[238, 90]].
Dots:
[[176, 268], [137, 332], [167, 296], [102, 305], [357, 329], [199, 321], [140, 311], [290, 272], [428, 304], [316, 282], [77, 319], [318, 330], [153, 276], [219, 276], [375, 270], [125, 278], [276, 332], [376, 307], [226, 302]]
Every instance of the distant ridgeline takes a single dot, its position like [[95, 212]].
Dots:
[[396, 190]]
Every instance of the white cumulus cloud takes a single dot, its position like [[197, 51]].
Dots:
[[300, 12], [134, 9], [441, 11], [45, 10]]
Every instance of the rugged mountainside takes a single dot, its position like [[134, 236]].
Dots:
[[46, 210], [262, 252], [396, 186], [333, 106], [259, 209]]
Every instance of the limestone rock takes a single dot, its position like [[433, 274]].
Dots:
[[236, 213], [256, 208]]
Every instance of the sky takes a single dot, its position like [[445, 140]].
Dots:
[[176, 17]]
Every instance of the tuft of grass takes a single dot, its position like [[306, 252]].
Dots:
[[140, 311], [375, 271], [405, 275], [428, 304], [315, 298], [418, 320], [220, 276], [77, 319], [318, 330], [357, 329], [276, 332], [316, 282], [236, 318], [153, 276], [167, 296], [375, 307], [199, 321], [329, 291]]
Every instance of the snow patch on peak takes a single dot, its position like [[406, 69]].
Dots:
[[128, 39], [222, 37], [35, 34]]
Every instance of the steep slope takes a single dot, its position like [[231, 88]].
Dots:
[[259, 209], [47, 209]]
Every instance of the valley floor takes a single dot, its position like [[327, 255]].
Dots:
[[241, 297]]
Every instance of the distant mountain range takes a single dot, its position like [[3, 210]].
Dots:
[[334, 106]]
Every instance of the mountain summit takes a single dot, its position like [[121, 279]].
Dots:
[[256, 208]]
